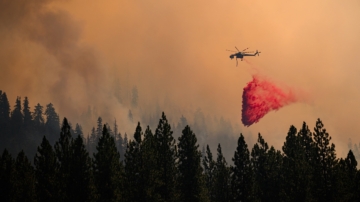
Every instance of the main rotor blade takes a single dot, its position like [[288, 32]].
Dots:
[[246, 49], [230, 50], [237, 49]]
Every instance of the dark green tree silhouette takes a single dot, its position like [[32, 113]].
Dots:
[[151, 173], [25, 179], [108, 170], [38, 117], [345, 182], [17, 120], [267, 164], [209, 169], [45, 172], [64, 156], [166, 158], [297, 173], [52, 124], [191, 179], [27, 116], [221, 178], [4, 120], [324, 164], [7, 177], [99, 129], [242, 176], [79, 131], [134, 166], [81, 185]]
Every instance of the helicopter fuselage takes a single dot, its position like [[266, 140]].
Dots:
[[236, 55]]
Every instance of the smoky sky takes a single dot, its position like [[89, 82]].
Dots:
[[72, 52]]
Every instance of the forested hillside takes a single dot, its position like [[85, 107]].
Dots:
[[153, 165]]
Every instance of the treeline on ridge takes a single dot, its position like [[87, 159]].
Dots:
[[156, 167]]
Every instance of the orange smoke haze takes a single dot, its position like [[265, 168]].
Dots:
[[77, 53]]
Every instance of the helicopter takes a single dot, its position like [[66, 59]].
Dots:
[[241, 54]]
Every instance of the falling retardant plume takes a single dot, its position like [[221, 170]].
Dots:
[[261, 96]]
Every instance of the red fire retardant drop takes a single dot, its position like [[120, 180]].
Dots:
[[260, 97]]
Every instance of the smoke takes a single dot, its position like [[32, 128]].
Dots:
[[86, 56], [261, 96], [61, 66]]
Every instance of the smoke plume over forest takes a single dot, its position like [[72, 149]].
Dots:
[[122, 59]]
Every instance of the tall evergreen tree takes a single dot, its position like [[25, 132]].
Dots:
[[209, 169], [64, 154], [52, 124], [81, 185], [108, 170], [79, 131], [25, 179], [38, 117], [7, 177], [324, 162], [99, 129], [191, 179], [221, 178], [296, 168], [93, 140], [17, 120], [241, 178], [166, 158], [4, 120], [267, 164], [27, 115], [45, 172], [151, 173], [346, 182], [134, 168]]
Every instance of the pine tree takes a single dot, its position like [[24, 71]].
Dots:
[[17, 120], [64, 156], [124, 144], [191, 180], [209, 169], [38, 117], [166, 158], [4, 120], [296, 168], [99, 129], [81, 185], [52, 124], [324, 162], [221, 178], [241, 178], [151, 173], [78, 131], [267, 165], [27, 115], [108, 170], [346, 176], [134, 168], [93, 141], [45, 172], [7, 177], [25, 179], [30, 139]]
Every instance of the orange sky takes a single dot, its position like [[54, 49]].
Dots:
[[70, 52]]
